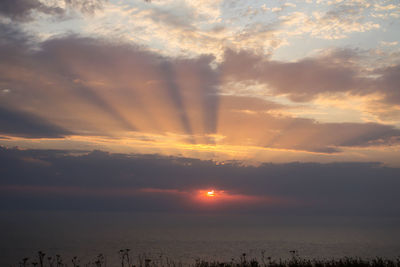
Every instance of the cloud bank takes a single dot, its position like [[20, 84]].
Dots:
[[40, 179]]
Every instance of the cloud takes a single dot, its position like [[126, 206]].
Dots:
[[119, 86], [85, 6], [189, 28], [95, 87], [390, 10], [307, 78], [23, 10], [151, 182], [266, 130], [248, 103], [24, 124], [337, 22], [389, 83]]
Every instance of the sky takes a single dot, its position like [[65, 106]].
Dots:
[[170, 99]]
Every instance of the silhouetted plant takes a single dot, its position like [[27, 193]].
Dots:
[[243, 261], [50, 260], [75, 261], [100, 260], [59, 260], [124, 255], [23, 262], [41, 256]]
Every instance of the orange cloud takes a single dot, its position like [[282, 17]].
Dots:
[[152, 104]]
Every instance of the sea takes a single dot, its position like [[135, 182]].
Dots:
[[184, 238]]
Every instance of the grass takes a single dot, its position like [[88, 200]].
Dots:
[[142, 261]]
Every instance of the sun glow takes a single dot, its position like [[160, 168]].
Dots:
[[211, 193]]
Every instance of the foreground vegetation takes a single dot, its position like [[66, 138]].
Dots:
[[41, 260]]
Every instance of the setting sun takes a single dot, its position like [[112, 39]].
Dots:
[[211, 193]]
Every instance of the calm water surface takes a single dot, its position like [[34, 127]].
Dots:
[[185, 237]]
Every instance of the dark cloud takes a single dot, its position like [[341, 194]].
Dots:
[[124, 86], [200, 84], [22, 10], [24, 124], [389, 82], [307, 78], [301, 80], [33, 179], [261, 129], [13, 41], [174, 93]]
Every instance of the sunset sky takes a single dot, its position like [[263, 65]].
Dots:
[[223, 84]]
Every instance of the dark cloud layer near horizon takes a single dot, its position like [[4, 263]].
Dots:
[[61, 180], [21, 10]]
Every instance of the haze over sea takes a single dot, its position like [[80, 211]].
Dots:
[[186, 237]]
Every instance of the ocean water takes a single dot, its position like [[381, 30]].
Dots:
[[187, 237]]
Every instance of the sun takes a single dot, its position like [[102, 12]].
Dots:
[[211, 193]]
